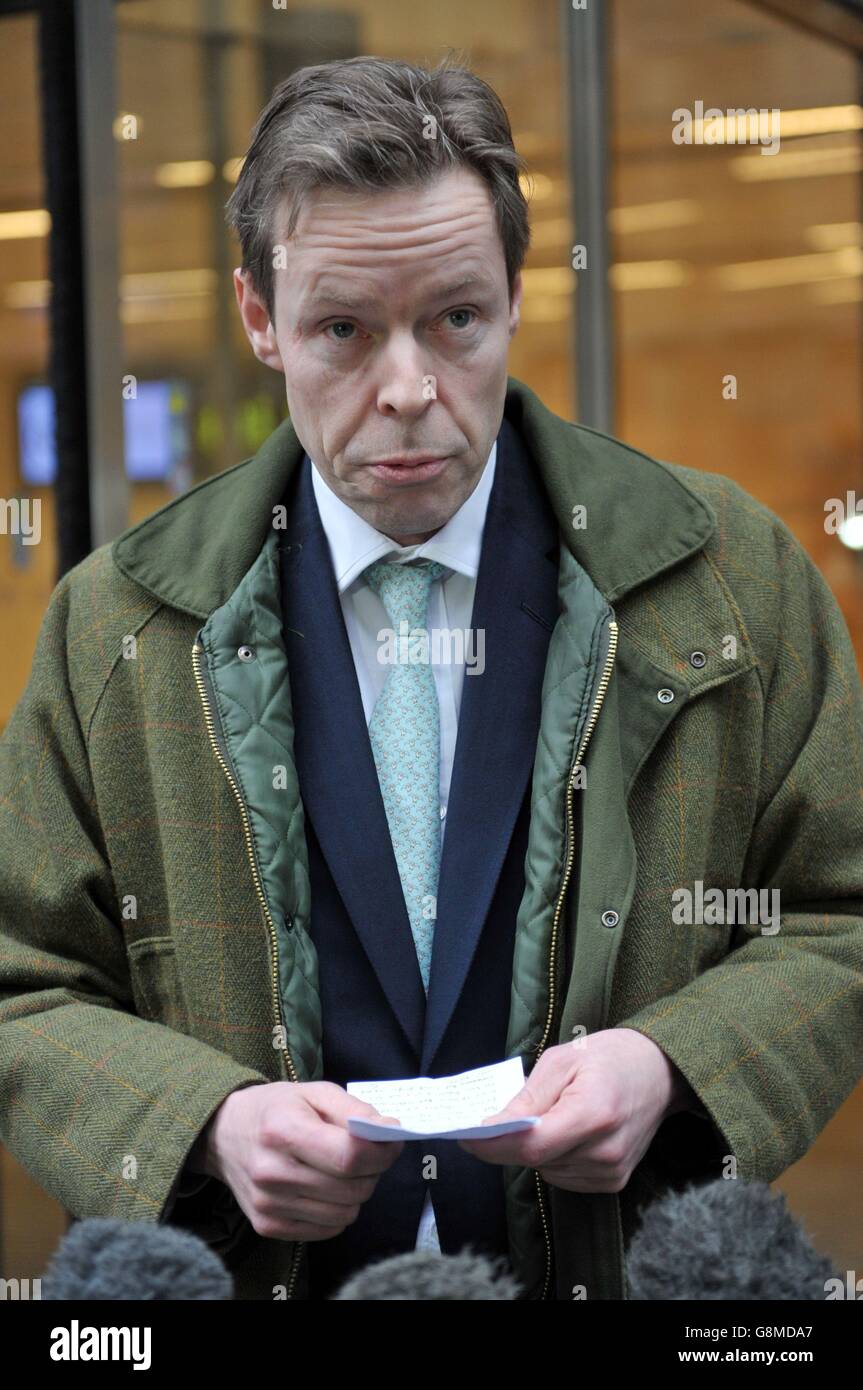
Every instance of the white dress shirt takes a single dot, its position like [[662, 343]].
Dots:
[[354, 545]]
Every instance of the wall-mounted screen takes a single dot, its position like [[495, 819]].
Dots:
[[155, 421]]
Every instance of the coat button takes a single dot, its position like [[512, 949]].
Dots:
[[246, 653], [665, 696], [697, 659], [289, 923], [610, 918]]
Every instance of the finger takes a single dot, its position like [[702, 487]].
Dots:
[[301, 1180], [567, 1171], [337, 1107], [334, 1104], [329, 1215], [329, 1148], [525, 1103], [504, 1148], [561, 1130], [570, 1127], [539, 1092]]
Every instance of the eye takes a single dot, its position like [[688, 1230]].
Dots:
[[340, 323], [452, 313], [339, 337]]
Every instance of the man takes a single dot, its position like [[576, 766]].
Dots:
[[247, 860]]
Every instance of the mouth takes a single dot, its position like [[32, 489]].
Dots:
[[409, 470]]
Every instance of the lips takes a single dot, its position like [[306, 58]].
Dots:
[[405, 462], [409, 470]]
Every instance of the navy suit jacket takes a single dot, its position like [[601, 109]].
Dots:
[[377, 1022]]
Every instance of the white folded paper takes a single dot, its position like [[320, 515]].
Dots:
[[443, 1107]]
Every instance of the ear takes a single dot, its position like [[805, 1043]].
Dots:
[[515, 307], [256, 321]]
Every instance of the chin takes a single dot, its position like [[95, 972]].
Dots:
[[396, 526], [410, 523]]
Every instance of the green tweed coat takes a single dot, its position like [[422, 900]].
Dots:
[[154, 890]]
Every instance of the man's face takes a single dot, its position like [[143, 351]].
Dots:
[[392, 328]]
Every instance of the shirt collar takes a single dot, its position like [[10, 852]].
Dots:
[[354, 544]]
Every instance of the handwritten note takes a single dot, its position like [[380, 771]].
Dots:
[[443, 1107]]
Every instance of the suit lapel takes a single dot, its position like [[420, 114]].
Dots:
[[516, 606], [337, 775]]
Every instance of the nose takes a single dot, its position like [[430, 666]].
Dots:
[[406, 385]]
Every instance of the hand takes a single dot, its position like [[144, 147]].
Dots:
[[601, 1100], [285, 1152]]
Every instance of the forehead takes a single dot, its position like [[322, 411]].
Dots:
[[443, 232]]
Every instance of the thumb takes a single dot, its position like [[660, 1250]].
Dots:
[[337, 1105], [537, 1095]]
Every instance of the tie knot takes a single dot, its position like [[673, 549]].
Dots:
[[404, 589]]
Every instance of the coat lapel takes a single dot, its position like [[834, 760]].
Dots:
[[515, 606], [336, 769]]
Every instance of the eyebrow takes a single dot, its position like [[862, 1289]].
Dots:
[[327, 292]]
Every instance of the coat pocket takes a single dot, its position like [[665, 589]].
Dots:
[[156, 981]]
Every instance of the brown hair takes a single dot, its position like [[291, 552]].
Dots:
[[367, 124]]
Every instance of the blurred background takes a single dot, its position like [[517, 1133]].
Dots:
[[124, 125]]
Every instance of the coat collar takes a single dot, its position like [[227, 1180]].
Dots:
[[640, 517]]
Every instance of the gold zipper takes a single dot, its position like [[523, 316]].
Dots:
[[567, 871], [197, 651]]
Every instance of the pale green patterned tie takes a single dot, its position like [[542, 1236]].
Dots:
[[405, 736]]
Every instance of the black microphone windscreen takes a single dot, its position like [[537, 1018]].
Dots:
[[102, 1258], [726, 1239], [424, 1275]]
